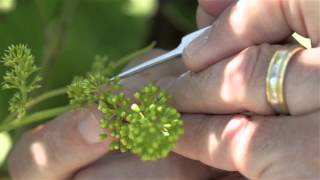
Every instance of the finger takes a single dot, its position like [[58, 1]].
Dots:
[[59, 148], [128, 166], [203, 18], [237, 84], [259, 147], [214, 7], [208, 10], [251, 22]]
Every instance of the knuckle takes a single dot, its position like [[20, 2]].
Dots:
[[189, 61], [247, 66], [240, 70], [247, 72], [257, 70]]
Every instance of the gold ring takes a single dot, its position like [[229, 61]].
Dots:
[[275, 79]]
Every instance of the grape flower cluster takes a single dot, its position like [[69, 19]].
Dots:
[[21, 75], [149, 128], [145, 125]]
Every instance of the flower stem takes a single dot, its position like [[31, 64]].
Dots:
[[36, 117], [36, 100], [45, 96]]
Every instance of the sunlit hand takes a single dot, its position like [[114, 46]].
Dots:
[[259, 147], [238, 25]]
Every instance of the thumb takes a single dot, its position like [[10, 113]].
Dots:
[[59, 148]]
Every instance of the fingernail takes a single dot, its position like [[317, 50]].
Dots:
[[195, 46], [88, 126]]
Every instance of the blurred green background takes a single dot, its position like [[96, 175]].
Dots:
[[65, 35]]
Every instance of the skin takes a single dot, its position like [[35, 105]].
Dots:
[[226, 79], [228, 70]]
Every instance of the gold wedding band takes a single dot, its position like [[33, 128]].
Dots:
[[275, 79]]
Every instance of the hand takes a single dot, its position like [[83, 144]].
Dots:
[[238, 25], [259, 147]]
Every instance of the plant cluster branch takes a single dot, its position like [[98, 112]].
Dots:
[[45, 96], [149, 128], [36, 117], [35, 101]]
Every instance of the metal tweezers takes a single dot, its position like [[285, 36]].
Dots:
[[186, 40]]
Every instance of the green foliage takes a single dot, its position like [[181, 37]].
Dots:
[[20, 76], [150, 128]]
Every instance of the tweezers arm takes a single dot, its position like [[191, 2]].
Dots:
[[148, 64]]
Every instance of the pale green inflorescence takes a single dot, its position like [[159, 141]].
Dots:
[[84, 90], [149, 128], [20, 76]]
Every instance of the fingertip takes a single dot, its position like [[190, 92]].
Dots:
[[63, 145], [203, 18], [215, 7], [193, 55], [233, 127], [88, 126]]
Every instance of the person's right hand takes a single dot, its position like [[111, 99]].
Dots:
[[231, 60], [237, 25]]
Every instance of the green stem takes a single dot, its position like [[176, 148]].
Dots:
[[38, 99], [36, 117], [10, 117], [45, 96]]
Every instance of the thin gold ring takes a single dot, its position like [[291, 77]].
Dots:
[[275, 79]]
